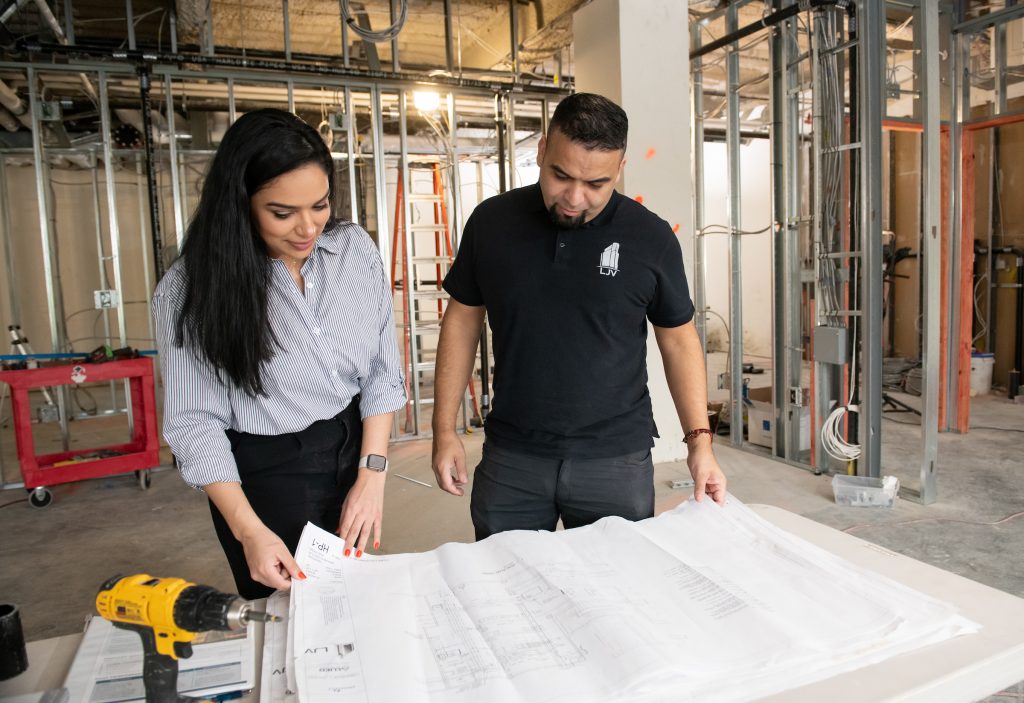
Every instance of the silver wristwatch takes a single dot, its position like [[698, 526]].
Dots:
[[374, 462]]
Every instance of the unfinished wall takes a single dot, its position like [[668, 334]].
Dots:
[[905, 221], [76, 258], [1010, 204], [755, 213]]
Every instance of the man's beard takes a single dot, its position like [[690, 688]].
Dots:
[[564, 222]]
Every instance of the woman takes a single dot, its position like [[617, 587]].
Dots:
[[280, 367]]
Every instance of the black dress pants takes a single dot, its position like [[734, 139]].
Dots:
[[292, 479]]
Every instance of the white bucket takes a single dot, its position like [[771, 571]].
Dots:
[[981, 372]]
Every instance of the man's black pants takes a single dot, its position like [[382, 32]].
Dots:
[[515, 491]]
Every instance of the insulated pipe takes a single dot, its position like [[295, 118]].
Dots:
[[151, 184], [51, 21], [15, 105], [7, 121], [769, 21]]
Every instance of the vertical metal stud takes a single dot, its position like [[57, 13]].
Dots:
[[449, 49], [351, 144], [735, 240], [697, 151], [930, 88], [172, 146], [409, 265], [778, 102], [129, 17], [39, 157], [287, 31], [513, 28], [13, 299], [871, 20], [961, 100]]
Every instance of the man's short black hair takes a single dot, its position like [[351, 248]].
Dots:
[[591, 120]]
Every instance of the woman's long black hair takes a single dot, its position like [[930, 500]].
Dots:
[[223, 316]]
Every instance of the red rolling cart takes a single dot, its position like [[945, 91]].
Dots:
[[139, 455]]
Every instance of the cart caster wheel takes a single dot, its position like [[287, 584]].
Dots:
[[40, 497], [145, 479]]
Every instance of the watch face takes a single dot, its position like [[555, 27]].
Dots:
[[376, 462]]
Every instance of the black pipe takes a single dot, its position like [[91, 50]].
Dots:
[[1018, 334], [1018, 338], [151, 184], [299, 67], [769, 21]]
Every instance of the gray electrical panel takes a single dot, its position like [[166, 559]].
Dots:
[[830, 345]]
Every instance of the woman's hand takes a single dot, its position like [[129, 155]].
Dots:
[[362, 512], [269, 560]]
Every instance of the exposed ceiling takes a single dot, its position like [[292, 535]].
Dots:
[[480, 29]]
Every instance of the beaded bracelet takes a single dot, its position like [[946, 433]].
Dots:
[[693, 434]]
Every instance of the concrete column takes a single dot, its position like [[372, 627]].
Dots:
[[636, 52]]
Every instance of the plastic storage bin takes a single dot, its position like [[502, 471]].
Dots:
[[864, 491]]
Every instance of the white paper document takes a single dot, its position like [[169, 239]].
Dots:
[[108, 665], [274, 675], [704, 603]]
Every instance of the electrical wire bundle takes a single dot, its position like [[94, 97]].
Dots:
[[383, 35], [831, 122]]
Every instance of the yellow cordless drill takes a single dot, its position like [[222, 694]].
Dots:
[[168, 613]]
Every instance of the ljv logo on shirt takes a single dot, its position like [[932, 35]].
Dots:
[[609, 265]]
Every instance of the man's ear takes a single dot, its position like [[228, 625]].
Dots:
[[622, 168], [541, 146]]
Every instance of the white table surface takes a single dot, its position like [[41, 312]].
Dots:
[[961, 670]]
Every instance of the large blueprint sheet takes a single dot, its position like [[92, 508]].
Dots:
[[702, 603]]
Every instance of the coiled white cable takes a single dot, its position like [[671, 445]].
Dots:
[[832, 436]]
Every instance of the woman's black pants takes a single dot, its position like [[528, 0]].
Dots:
[[292, 479]]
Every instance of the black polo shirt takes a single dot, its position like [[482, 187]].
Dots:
[[568, 310]]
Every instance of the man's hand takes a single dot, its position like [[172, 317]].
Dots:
[[449, 462], [707, 475], [362, 513], [270, 562]]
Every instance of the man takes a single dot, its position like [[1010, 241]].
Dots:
[[569, 272]]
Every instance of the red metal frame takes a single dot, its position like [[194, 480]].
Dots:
[[142, 452]]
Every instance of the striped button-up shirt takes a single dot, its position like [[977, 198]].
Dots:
[[336, 340]]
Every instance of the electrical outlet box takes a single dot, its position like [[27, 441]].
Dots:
[[48, 413], [50, 111], [338, 121], [104, 299], [830, 345]]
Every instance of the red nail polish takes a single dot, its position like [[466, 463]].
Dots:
[[359, 553], [347, 551], [302, 576], [376, 545]]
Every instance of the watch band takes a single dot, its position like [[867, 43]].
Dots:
[[374, 462], [695, 433]]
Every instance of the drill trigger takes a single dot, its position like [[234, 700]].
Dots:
[[182, 650]]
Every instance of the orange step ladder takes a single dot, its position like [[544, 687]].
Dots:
[[404, 246]]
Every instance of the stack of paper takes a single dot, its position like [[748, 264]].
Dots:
[[703, 603]]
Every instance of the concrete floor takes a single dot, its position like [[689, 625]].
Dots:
[[53, 559]]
